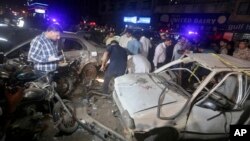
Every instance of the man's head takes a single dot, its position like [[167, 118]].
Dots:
[[129, 33], [53, 32], [168, 41], [243, 44], [182, 40], [163, 36], [114, 42], [111, 34], [223, 43]]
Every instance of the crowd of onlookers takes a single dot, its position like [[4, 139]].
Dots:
[[133, 51], [168, 49]]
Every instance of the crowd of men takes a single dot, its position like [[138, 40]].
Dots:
[[138, 48]]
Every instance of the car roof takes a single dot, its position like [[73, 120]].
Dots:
[[13, 36], [91, 46], [220, 61]]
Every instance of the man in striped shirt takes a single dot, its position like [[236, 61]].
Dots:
[[43, 52]]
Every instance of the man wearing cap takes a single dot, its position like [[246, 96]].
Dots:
[[117, 66], [125, 38], [110, 37], [179, 48]]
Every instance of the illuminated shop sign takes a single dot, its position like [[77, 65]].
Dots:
[[196, 19], [239, 27], [130, 19], [135, 19], [145, 20]]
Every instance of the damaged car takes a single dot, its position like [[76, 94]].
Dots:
[[195, 97], [16, 46], [84, 55]]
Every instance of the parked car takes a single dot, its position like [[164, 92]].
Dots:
[[183, 100], [15, 43]]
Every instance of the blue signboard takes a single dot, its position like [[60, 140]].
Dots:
[[135, 20]]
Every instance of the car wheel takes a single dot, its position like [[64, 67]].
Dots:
[[89, 72], [163, 135], [64, 86], [68, 124]]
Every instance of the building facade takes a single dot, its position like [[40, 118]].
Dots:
[[211, 15], [112, 11]]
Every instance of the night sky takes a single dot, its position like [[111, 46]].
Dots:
[[71, 10]]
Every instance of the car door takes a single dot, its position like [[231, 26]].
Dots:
[[211, 117], [70, 47]]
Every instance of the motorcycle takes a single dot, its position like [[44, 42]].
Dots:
[[38, 100], [65, 77], [12, 80]]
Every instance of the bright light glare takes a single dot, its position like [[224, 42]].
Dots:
[[41, 11], [20, 23], [3, 25], [192, 32], [130, 19], [3, 39], [145, 20], [100, 80]]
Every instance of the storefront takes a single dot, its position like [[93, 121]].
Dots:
[[238, 31], [200, 23]]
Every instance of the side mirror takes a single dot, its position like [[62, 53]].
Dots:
[[1, 57]]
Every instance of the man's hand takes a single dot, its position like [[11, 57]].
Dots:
[[102, 68], [60, 57], [155, 68], [53, 58]]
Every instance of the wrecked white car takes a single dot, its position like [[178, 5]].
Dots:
[[196, 97]]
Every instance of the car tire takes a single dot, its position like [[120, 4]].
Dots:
[[89, 72], [163, 135], [68, 124], [64, 87]]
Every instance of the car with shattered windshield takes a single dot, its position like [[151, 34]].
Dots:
[[195, 97]]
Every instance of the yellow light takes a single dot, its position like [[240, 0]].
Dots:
[[99, 80]]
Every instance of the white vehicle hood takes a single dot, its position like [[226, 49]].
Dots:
[[140, 92]]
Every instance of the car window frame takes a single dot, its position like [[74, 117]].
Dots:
[[239, 95], [16, 48], [60, 42]]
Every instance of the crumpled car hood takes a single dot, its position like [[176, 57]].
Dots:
[[140, 92]]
